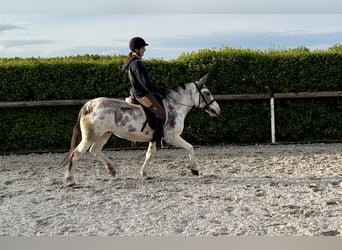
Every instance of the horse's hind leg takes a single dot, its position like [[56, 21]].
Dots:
[[149, 154], [96, 150], [76, 155]]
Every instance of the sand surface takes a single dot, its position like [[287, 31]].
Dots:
[[241, 190]]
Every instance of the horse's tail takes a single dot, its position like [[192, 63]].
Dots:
[[75, 140]]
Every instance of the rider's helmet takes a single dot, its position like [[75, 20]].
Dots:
[[137, 43]]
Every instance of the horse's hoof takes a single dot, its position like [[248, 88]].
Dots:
[[70, 184], [145, 177], [112, 172], [194, 171], [69, 181]]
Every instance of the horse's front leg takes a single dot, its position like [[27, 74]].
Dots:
[[180, 142], [149, 154]]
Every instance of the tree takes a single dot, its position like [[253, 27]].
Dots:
[[336, 48]]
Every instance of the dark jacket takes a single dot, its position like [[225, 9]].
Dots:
[[141, 84]]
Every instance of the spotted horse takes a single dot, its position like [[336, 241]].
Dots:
[[99, 118]]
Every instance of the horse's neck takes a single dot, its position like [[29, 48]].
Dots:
[[182, 99]]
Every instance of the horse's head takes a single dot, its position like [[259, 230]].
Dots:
[[206, 99]]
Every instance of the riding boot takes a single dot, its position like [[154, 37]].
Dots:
[[159, 133]]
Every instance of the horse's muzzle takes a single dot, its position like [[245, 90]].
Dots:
[[213, 112]]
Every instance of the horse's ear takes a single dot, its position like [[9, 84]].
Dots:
[[203, 80]]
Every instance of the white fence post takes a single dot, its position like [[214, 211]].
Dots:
[[272, 120]]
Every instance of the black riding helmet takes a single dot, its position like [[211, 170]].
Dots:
[[137, 43]]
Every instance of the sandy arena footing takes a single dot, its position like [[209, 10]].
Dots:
[[241, 190]]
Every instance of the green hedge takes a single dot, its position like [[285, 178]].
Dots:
[[231, 72], [61, 78]]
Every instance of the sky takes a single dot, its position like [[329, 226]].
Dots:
[[40, 28]]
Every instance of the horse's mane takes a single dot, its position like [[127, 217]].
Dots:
[[182, 86]]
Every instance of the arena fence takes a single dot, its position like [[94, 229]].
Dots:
[[230, 97]]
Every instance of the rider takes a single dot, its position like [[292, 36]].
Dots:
[[143, 90]]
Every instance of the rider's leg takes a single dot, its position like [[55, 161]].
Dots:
[[154, 106]]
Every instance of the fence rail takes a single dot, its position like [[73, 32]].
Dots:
[[50, 103], [296, 95], [230, 97], [227, 97]]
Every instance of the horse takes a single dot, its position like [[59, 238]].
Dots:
[[101, 117]]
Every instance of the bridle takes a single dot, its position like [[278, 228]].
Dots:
[[200, 94], [207, 103]]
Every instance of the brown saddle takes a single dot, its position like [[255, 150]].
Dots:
[[149, 117]]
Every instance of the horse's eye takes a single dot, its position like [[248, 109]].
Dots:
[[207, 93]]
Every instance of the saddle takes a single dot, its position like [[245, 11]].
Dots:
[[150, 117]]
